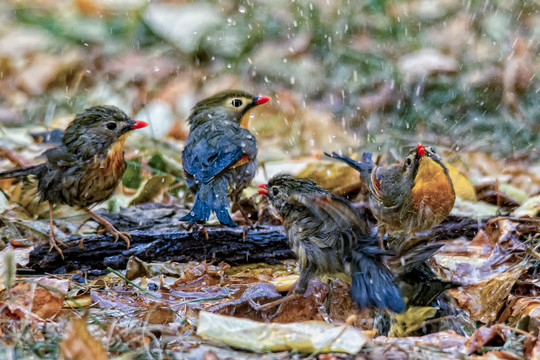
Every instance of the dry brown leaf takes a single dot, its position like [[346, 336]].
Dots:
[[80, 345], [305, 307], [481, 337], [32, 302], [484, 299], [159, 315], [519, 307]]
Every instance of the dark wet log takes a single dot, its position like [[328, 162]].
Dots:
[[263, 244], [156, 237]]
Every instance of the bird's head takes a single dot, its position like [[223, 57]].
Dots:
[[230, 105], [97, 128], [424, 163], [281, 187]]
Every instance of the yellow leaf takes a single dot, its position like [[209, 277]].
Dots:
[[462, 186], [411, 319]]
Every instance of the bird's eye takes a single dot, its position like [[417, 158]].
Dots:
[[111, 126], [275, 191], [408, 161], [236, 103]]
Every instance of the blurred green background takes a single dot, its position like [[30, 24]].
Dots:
[[349, 75]]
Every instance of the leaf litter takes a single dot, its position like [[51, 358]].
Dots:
[[203, 309]]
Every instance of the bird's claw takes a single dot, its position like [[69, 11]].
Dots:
[[54, 244], [191, 226], [117, 234]]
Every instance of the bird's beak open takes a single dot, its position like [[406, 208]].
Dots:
[[264, 189], [420, 150], [138, 125], [258, 100]]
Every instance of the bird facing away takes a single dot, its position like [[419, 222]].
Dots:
[[414, 196], [86, 168], [220, 156], [329, 236]]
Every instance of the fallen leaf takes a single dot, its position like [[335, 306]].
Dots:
[[152, 188], [481, 337], [32, 302], [411, 319], [305, 337], [485, 299], [462, 185], [79, 344]]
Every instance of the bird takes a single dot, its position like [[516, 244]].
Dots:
[[219, 156], [329, 237], [411, 197], [85, 169]]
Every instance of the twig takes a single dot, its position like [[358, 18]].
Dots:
[[516, 330]]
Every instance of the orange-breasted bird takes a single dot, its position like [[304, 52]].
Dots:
[[87, 167], [414, 196], [220, 156], [330, 236]]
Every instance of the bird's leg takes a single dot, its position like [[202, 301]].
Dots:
[[108, 227], [382, 231], [249, 224], [52, 238], [303, 280]]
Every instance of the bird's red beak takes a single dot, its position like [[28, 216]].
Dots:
[[261, 99], [264, 189], [139, 124], [420, 150]]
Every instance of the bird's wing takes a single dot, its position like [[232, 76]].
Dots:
[[336, 213], [375, 184], [60, 157], [210, 151]]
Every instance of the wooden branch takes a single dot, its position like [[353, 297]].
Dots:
[[263, 244]]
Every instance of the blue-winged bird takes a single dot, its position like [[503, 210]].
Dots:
[[220, 156]]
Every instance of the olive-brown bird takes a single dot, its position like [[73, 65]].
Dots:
[[329, 236], [220, 156], [414, 196], [87, 167]]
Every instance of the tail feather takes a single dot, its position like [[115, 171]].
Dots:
[[360, 166], [30, 170], [373, 284], [211, 197]]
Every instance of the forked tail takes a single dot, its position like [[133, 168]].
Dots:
[[211, 197]]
